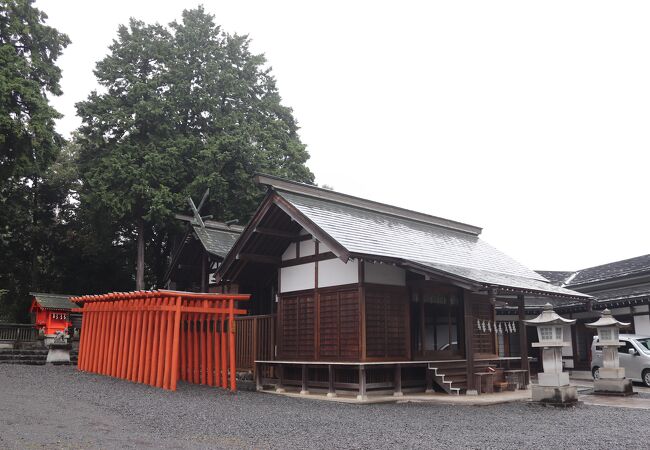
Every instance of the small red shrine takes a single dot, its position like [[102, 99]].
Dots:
[[51, 312]]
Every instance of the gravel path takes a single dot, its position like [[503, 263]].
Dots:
[[59, 407]]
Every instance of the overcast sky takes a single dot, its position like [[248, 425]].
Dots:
[[529, 119]]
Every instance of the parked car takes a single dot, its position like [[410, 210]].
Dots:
[[634, 356]]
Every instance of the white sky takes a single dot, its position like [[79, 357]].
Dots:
[[530, 119]]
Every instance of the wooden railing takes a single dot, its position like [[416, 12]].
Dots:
[[17, 332], [255, 340]]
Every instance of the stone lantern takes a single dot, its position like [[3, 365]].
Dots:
[[553, 383], [611, 378]]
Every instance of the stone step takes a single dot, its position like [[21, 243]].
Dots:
[[22, 358], [28, 362], [23, 351]]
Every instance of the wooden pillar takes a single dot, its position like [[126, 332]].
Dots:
[[258, 376], [362, 309], [155, 334], [523, 338], [398, 381], [231, 350], [331, 392], [429, 381], [161, 346], [304, 390], [143, 340], [169, 346], [209, 350], [176, 344], [217, 349], [224, 349], [469, 344], [362, 383], [204, 271], [280, 386]]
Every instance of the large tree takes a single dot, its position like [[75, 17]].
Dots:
[[183, 108], [29, 144]]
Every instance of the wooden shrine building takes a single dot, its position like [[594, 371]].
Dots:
[[198, 253], [51, 312], [369, 297]]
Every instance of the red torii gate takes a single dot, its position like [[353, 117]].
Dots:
[[157, 337]]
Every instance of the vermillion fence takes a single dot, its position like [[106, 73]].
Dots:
[[159, 337]]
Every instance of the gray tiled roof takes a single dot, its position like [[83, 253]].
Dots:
[[556, 277], [453, 251], [215, 241], [53, 301], [491, 278], [636, 292], [612, 270]]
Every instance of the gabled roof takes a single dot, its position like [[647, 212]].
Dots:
[[53, 301], [217, 238], [357, 228], [556, 277]]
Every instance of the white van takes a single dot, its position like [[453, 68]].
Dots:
[[634, 356]]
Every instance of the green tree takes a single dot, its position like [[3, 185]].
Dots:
[[183, 108], [29, 143]]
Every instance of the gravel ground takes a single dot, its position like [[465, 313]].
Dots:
[[59, 407]]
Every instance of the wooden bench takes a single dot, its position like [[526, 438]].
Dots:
[[518, 376], [484, 382]]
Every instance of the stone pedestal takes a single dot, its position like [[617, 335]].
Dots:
[[611, 373], [555, 395], [613, 386], [553, 379], [59, 353]]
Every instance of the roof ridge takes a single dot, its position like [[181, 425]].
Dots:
[[283, 185]]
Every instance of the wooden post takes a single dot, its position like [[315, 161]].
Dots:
[[231, 334], [523, 338], [151, 380], [161, 346], [280, 386], [258, 377], [224, 349], [217, 350], [362, 383], [331, 392], [175, 344], [204, 271], [469, 344], [398, 381], [209, 350], [169, 348], [304, 390], [143, 341], [255, 347], [429, 381]]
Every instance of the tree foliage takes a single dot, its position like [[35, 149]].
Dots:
[[182, 108], [29, 145]]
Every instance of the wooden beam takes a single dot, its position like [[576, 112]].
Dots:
[[262, 259], [308, 259], [276, 232]]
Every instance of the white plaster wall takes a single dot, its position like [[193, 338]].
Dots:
[[641, 325], [384, 274], [297, 278], [290, 252], [308, 248], [334, 272]]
